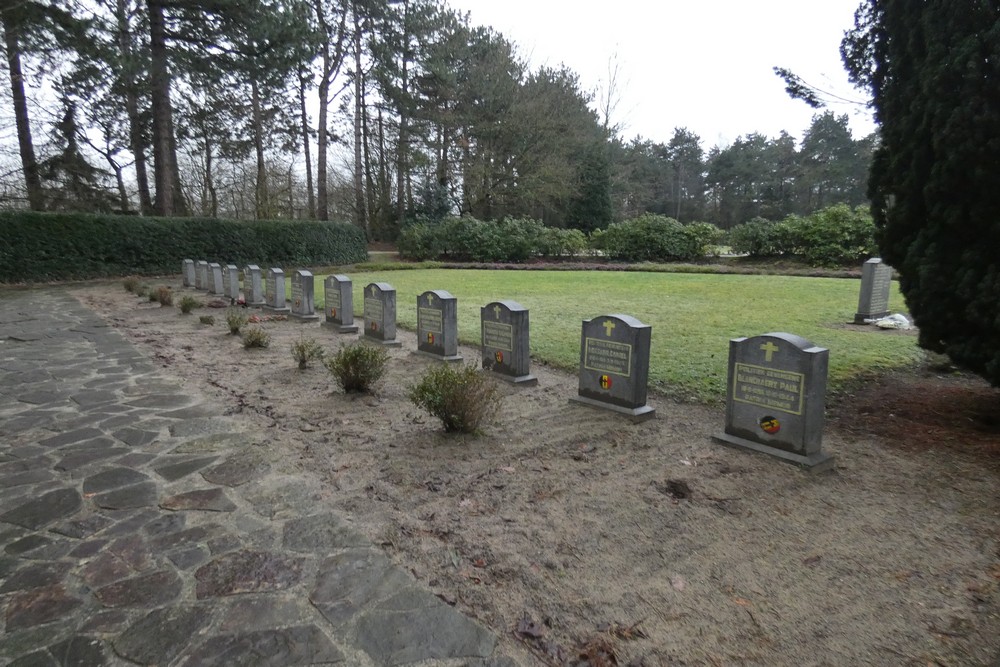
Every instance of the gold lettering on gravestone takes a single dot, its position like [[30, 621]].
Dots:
[[498, 336], [769, 388], [607, 356], [297, 291], [429, 319], [333, 297], [373, 309]]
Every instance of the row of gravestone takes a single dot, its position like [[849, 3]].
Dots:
[[776, 388]]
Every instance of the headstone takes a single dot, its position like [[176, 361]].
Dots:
[[201, 275], [505, 341], [380, 314], [775, 398], [187, 269], [274, 294], [614, 365], [876, 280], [231, 281], [253, 289], [338, 296], [437, 325], [216, 286], [303, 297]]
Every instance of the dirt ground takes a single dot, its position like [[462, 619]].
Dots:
[[584, 539]]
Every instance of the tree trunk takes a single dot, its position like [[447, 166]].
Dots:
[[360, 212], [169, 199], [261, 195], [310, 196], [32, 178], [403, 146], [213, 196], [137, 142]]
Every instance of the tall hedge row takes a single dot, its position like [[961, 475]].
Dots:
[[70, 246]]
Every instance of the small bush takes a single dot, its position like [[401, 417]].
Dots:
[[165, 296], [462, 398], [650, 238], [153, 295], [189, 303], [764, 238], [207, 319], [236, 317], [255, 337], [305, 350], [358, 367], [141, 290], [130, 284]]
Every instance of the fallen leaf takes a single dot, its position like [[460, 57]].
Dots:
[[465, 502], [507, 468], [528, 628], [812, 560], [479, 562], [743, 602], [677, 581]]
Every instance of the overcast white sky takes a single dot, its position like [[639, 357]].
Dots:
[[701, 64]]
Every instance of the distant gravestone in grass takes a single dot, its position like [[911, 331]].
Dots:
[[876, 280], [437, 325], [505, 341], [775, 399], [303, 296], [216, 286], [187, 272], [231, 281], [253, 288], [380, 314], [338, 296], [201, 275], [614, 365], [274, 294]]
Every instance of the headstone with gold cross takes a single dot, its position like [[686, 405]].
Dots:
[[338, 305], [187, 272], [437, 325], [216, 286], [253, 288], [876, 282], [505, 342], [380, 314], [775, 398], [231, 281], [201, 275], [303, 296], [274, 291], [614, 365]]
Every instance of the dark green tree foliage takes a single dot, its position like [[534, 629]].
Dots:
[[933, 69], [70, 181]]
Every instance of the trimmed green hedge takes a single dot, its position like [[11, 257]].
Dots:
[[71, 246], [833, 236]]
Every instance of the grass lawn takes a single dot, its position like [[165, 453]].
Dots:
[[693, 316]]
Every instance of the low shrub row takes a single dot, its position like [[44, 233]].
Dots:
[[507, 240], [830, 237], [70, 246]]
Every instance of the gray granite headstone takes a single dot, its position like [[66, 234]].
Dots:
[[274, 293], [505, 341], [216, 286], [437, 325], [187, 269], [338, 296], [876, 281], [775, 398], [253, 287], [614, 365], [201, 275], [380, 314], [231, 281], [303, 296]]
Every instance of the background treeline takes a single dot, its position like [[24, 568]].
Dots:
[[371, 112]]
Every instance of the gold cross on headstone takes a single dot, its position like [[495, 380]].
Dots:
[[608, 326], [496, 311], [430, 299], [373, 290], [769, 349]]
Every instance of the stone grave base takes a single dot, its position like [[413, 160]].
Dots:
[[816, 463], [256, 304], [384, 343], [636, 414], [522, 380], [341, 328], [451, 359], [859, 318], [276, 311], [303, 318]]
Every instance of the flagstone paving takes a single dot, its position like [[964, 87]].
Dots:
[[139, 526]]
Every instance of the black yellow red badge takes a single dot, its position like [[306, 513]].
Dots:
[[430, 338], [333, 312], [374, 325], [770, 424], [499, 357], [605, 381]]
